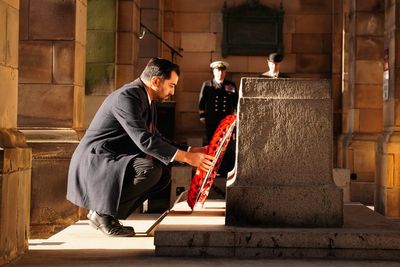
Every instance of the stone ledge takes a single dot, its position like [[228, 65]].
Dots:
[[293, 88], [49, 135], [11, 138], [365, 235]]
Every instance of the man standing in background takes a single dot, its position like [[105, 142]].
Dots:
[[218, 98], [274, 64]]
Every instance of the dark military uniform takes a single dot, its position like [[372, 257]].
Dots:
[[216, 102]]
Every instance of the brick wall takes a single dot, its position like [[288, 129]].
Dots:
[[112, 51], [9, 15], [51, 56], [100, 50], [387, 197], [52, 61], [362, 94], [197, 28]]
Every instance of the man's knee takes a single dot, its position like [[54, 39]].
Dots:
[[163, 182], [155, 173], [146, 172]]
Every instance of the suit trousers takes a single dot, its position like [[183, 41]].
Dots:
[[143, 178]]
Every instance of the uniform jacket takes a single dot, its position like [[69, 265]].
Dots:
[[118, 133], [217, 101]]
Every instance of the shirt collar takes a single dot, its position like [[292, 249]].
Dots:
[[147, 93], [148, 98]]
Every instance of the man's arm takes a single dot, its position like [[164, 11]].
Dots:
[[128, 110]]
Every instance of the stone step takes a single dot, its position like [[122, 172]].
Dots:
[[364, 235]]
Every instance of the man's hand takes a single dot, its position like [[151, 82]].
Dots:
[[203, 120], [196, 159]]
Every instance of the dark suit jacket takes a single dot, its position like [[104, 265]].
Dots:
[[118, 133]]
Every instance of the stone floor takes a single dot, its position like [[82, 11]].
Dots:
[[81, 245]]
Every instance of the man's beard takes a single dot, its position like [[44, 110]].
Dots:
[[163, 99]]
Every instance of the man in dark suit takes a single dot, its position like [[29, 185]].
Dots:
[[119, 161]]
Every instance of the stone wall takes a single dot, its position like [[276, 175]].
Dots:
[[112, 50], [387, 197], [362, 94], [100, 54], [197, 28], [50, 102], [9, 14], [151, 15], [15, 157], [51, 63], [127, 41], [100, 49], [15, 193]]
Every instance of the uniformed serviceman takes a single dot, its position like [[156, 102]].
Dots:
[[218, 98]]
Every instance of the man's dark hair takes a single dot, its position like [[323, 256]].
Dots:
[[159, 67], [275, 57]]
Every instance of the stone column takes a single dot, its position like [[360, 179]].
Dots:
[[284, 160], [151, 16], [101, 54], [113, 48], [15, 156], [387, 197], [50, 102], [362, 95], [128, 30]]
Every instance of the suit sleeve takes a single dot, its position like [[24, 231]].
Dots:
[[130, 112], [202, 101]]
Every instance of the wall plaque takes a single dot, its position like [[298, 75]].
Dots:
[[252, 30]]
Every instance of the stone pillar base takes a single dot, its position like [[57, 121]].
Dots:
[[268, 206], [15, 194], [358, 154], [387, 192], [51, 154], [284, 159]]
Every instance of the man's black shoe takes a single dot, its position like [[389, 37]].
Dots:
[[109, 225]]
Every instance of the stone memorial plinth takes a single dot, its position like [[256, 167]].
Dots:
[[284, 159], [284, 202]]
